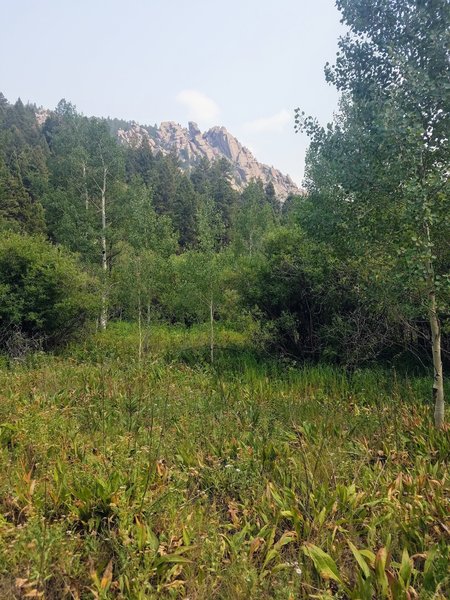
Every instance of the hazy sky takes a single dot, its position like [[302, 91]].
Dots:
[[245, 64]]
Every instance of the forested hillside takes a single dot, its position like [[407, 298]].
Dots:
[[157, 243], [69, 180]]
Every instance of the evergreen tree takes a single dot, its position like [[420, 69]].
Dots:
[[254, 217], [184, 212], [140, 161], [272, 199]]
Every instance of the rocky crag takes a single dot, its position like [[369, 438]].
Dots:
[[191, 145]]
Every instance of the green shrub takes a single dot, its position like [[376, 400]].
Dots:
[[44, 295]]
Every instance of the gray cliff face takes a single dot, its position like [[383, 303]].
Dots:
[[191, 145]]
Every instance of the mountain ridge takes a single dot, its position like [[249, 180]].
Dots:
[[191, 145]]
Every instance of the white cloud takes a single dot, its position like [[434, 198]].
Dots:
[[274, 124], [200, 107]]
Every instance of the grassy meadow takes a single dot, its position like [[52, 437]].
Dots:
[[162, 476]]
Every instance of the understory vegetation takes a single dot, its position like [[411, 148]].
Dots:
[[165, 477]]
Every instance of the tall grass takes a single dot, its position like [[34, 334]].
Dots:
[[167, 477]]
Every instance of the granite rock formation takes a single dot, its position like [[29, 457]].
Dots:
[[191, 145]]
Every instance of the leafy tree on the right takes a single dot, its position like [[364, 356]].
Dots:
[[380, 173]]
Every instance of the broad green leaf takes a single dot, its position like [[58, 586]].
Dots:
[[286, 538], [153, 541], [324, 564], [270, 556], [380, 571], [173, 559], [360, 560], [369, 555], [405, 568]]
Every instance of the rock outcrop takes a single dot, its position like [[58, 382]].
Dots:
[[191, 145]]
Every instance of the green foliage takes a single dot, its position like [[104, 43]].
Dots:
[[152, 461], [196, 279], [377, 176], [342, 279], [23, 168], [163, 229], [255, 217], [140, 282], [148, 477], [44, 294], [314, 305], [82, 153]]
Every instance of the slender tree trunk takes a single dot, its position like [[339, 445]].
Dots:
[[140, 327], [438, 385], [104, 313], [139, 310], [86, 194], [435, 327], [211, 322]]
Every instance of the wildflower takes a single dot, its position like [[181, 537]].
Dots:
[[296, 567]]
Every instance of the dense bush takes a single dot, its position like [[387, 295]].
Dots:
[[315, 306], [44, 295]]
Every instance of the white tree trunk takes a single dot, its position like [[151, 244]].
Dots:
[[140, 328], [139, 310], [435, 327], [104, 312], [211, 336], [438, 384], [86, 193]]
